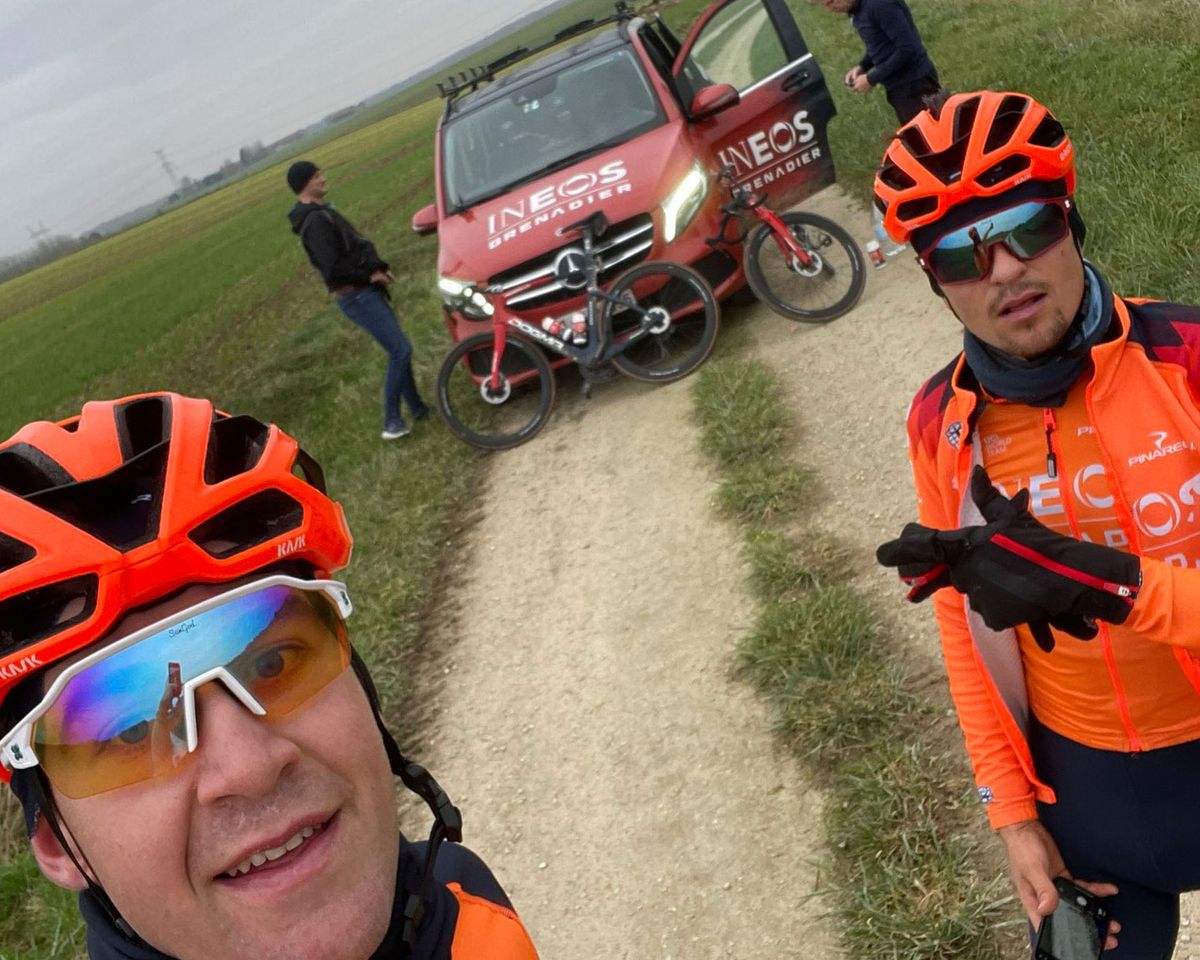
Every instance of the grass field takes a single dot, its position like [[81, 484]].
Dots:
[[216, 298]]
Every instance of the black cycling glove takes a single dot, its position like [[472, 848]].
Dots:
[[1014, 570]]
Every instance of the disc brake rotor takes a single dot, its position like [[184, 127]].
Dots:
[[495, 397]]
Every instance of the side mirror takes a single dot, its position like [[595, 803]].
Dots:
[[713, 99], [424, 221]]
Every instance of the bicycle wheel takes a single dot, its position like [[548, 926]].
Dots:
[[826, 289], [687, 319], [495, 419]]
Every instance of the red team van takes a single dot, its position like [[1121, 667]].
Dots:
[[629, 120]]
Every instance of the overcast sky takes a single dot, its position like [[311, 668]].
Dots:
[[89, 89]]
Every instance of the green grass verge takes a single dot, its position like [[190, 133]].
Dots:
[[904, 854]]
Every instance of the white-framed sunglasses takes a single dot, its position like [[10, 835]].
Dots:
[[127, 712]]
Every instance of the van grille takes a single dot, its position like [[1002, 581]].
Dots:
[[619, 247]]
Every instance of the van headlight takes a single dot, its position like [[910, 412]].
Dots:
[[465, 297], [683, 203]]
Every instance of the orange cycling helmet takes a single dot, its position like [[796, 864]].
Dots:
[[977, 145], [135, 499]]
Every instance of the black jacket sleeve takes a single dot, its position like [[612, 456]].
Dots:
[[891, 20], [322, 244]]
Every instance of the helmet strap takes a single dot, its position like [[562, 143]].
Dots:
[[447, 820], [44, 797]]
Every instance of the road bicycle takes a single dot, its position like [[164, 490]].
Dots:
[[803, 266], [656, 322]]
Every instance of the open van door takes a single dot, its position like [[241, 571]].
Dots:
[[774, 133]]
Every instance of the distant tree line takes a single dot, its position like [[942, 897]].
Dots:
[[48, 250]]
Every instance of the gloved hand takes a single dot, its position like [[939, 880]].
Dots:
[[1014, 570]]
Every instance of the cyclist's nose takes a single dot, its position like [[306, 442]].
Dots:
[[1006, 266], [238, 753]]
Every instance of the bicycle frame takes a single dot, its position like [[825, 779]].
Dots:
[[600, 346], [743, 201]]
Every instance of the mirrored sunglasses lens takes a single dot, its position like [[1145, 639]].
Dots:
[[123, 719], [1038, 232], [1027, 230]]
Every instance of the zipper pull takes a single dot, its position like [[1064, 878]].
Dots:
[[1051, 459]]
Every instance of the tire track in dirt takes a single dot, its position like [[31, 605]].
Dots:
[[628, 792]]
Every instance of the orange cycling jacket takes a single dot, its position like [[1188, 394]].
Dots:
[[1125, 471]]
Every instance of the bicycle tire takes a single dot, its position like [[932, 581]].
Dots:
[[499, 424], [694, 320], [840, 258]]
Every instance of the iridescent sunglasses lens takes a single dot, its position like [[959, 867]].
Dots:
[[132, 716]]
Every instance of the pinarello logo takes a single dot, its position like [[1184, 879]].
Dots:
[[1161, 448], [570, 195]]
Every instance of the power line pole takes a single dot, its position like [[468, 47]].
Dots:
[[166, 165]]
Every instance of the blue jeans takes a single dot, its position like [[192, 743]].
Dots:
[[370, 310]]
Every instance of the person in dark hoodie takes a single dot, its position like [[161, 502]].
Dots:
[[357, 278], [895, 56]]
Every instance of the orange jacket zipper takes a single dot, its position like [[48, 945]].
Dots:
[[1053, 459]]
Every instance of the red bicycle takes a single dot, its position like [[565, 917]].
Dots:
[[657, 322], [811, 270]]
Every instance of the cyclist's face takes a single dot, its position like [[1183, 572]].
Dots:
[[163, 848], [1022, 307]]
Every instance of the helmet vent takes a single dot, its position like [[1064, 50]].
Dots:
[[246, 524], [919, 207], [36, 614], [893, 176], [13, 552], [1006, 168], [121, 508], [142, 424], [235, 445], [25, 470], [1049, 133], [308, 470], [914, 140], [1008, 117], [964, 119]]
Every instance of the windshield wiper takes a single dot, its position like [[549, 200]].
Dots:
[[578, 155]]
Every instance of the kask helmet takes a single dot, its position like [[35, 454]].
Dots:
[[978, 145], [136, 498]]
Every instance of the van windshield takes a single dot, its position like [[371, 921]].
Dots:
[[546, 124]]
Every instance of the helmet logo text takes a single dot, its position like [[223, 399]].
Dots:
[[288, 547], [20, 667]]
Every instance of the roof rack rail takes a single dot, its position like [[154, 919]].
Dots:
[[470, 79]]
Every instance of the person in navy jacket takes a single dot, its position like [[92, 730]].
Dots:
[[895, 56]]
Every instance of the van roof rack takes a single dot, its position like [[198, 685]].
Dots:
[[470, 79]]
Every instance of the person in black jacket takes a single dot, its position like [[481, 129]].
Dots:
[[894, 57], [357, 278]]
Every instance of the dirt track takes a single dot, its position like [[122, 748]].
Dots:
[[626, 788]]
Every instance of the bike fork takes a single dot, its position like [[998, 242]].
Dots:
[[789, 246], [498, 337]]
